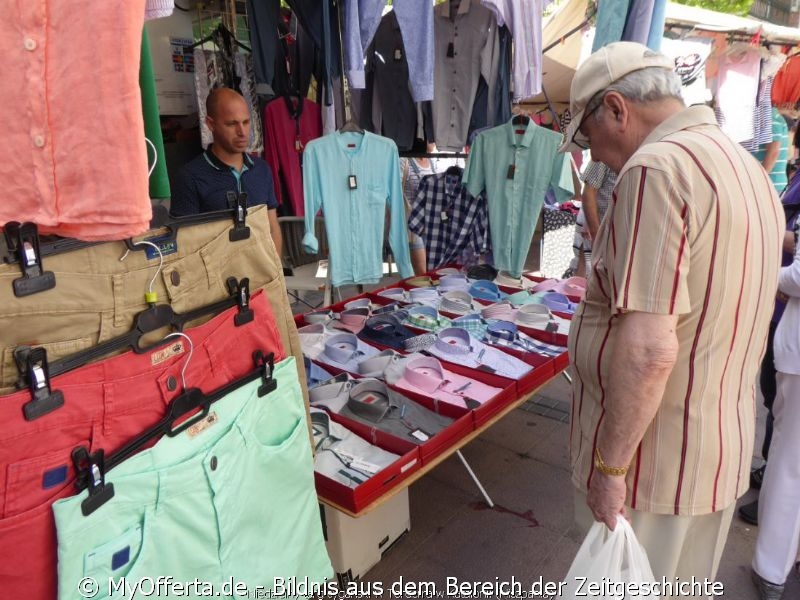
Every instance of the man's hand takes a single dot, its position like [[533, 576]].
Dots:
[[606, 498]]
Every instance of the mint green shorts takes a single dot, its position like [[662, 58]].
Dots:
[[235, 500]]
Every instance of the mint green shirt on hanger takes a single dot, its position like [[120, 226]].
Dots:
[[516, 170], [353, 177]]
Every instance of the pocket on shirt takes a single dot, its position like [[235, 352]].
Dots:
[[376, 193]]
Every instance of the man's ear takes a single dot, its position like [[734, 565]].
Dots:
[[615, 103], [210, 123]]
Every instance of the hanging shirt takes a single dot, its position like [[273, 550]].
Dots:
[[466, 48], [415, 19], [690, 56], [516, 170], [289, 125], [452, 222], [74, 159], [786, 87], [524, 19], [352, 177], [738, 80]]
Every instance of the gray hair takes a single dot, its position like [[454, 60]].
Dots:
[[645, 85]]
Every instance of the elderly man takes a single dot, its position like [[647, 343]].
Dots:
[[203, 184], [666, 346]]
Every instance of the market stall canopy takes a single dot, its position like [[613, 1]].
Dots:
[[559, 63]]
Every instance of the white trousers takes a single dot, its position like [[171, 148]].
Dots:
[[779, 500]]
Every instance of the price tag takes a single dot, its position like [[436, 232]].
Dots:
[[352, 182], [444, 217], [420, 435], [511, 170], [398, 54], [298, 145], [362, 465]]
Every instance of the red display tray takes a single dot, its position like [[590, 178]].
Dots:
[[357, 498], [538, 279]]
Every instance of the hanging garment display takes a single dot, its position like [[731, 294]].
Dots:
[[64, 130], [352, 177], [415, 19], [630, 21], [156, 9], [453, 223], [105, 404], [737, 90], [297, 59], [524, 19], [466, 48], [786, 87], [762, 118], [214, 69], [320, 20], [390, 94], [263, 18], [289, 124], [515, 164], [196, 265], [196, 489], [690, 56]]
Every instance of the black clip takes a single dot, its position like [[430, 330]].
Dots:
[[241, 289], [267, 366], [238, 202], [91, 474], [24, 239], [33, 363]]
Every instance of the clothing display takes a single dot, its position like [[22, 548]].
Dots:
[[345, 351], [453, 223], [465, 49], [59, 119], [289, 124], [371, 403], [196, 489], [690, 56], [737, 90], [524, 19], [458, 346], [427, 377], [515, 192], [353, 177], [343, 456], [415, 20]]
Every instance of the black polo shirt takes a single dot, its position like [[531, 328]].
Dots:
[[202, 184]]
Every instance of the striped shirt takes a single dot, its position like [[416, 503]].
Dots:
[[694, 230], [780, 133]]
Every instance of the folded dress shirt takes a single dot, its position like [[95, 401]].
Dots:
[[426, 376], [458, 346], [345, 351]]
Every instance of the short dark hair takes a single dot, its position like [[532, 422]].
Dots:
[[215, 97]]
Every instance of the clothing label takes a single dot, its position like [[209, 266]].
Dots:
[[451, 51], [398, 54], [352, 182], [369, 399], [420, 435], [362, 465], [202, 425], [164, 244], [444, 216], [298, 145], [511, 170], [159, 356]]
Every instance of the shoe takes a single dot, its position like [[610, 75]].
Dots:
[[757, 477], [749, 513], [766, 590]]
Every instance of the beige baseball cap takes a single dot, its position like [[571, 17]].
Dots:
[[600, 70]]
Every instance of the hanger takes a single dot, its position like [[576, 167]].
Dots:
[[351, 126], [520, 119], [221, 32], [91, 468], [36, 372]]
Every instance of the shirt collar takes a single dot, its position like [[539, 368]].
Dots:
[[458, 342], [215, 162], [527, 137], [689, 117], [463, 8], [427, 383], [370, 399], [386, 330], [342, 348]]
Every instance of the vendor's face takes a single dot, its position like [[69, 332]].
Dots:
[[231, 125]]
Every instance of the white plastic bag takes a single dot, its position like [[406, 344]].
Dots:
[[610, 564]]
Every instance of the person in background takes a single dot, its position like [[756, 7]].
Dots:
[[666, 345], [779, 510], [412, 170], [203, 184], [773, 156], [598, 185]]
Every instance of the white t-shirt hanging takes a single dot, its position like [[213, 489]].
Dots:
[[690, 56], [737, 90]]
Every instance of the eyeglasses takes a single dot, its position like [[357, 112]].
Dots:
[[580, 139]]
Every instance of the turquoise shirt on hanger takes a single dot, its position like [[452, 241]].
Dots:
[[352, 177], [516, 170]]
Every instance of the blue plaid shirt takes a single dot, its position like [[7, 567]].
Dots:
[[453, 223]]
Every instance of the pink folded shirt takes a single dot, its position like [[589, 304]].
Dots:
[[427, 377]]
